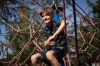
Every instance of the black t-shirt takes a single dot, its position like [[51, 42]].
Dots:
[[49, 31]]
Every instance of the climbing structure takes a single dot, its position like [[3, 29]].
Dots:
[[82, 40]]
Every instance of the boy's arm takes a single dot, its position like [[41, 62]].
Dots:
[[61, 27]]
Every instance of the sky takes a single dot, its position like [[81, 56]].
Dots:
[[2, 32], [81, 3]]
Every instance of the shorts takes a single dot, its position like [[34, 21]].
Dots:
[[59, 51]]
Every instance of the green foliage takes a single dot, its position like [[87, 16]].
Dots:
[[96, 8], [88, 31], [19, 22]]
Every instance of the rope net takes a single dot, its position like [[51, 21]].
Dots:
[[23, 35]]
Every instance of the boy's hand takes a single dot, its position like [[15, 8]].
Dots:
[[49, 41], [45, 43]]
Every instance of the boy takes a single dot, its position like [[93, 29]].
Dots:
[[55, 40]]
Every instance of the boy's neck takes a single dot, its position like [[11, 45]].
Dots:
[[50, 23]]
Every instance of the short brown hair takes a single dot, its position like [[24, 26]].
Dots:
[[47, 10]]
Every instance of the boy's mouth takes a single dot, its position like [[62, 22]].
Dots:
[[46, 19]]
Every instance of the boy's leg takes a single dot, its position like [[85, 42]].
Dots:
[[60, 53], [35, 58], [52, 58]]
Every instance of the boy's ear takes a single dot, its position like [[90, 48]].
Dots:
[[40, 13]]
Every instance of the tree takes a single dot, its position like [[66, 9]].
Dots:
[[88, 31], [12, 12]]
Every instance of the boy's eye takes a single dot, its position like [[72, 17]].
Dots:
[[42, 15], [47, 14]]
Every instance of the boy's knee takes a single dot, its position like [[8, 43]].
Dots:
[[50, 55], [34, 57]]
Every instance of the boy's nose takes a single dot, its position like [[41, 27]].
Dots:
[[45, 18]]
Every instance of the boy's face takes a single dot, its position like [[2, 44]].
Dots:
[[47, 18]]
